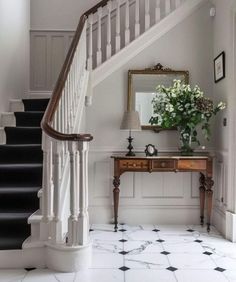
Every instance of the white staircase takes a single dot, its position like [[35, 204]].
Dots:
[[107, 37]]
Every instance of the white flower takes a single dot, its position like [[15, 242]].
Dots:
[[221, 105]]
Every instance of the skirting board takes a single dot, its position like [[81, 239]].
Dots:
[[230, 226], [219, 221], [146, 215]]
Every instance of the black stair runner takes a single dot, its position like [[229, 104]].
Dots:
[[20, 174]]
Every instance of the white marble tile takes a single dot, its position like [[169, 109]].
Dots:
[[39, 275], [191, 261], [170, 229], [224, 262], [102, 227], [200, 275], [108, 261], [177, 238], [149, 275], [147, 227], [12, 274], [185, 248], [107, 246], [230, 275], [105, 235], [141, 247], [225, 248], [203, 229], [209, 238], [146, 261], [141, 235], [100, 275]]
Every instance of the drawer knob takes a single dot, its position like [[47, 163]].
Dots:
[[163, 164], [134, 165]]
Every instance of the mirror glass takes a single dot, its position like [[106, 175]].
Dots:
[[142, 90]]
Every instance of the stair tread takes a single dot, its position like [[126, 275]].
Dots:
[[14, 215], [17, 190], [21, 146], [23, 127], [11, 243], [27, 165]]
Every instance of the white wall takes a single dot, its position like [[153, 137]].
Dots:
[[224, 39], [157, 197], [14, 50], [58, 14]]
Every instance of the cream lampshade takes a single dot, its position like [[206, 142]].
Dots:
[[130, 122]]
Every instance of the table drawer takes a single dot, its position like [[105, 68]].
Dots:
[[192, 164], [134, 164], [163, 165]]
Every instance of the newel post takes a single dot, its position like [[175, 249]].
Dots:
[[47, 188], [83, 216]]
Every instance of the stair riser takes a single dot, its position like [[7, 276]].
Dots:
[[8, 119], [23, 202], [21, 177], [16, 106], [35, 105], [23, 136], [31, 155]]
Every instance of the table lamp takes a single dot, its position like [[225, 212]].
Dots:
[[130, 122]]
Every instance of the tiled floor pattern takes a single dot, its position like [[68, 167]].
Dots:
[[147, 253]]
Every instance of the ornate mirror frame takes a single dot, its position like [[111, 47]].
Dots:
[[158, 70]]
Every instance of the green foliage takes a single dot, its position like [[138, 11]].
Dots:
[[183, 107]]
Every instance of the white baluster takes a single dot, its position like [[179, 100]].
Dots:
[[157, 11], [73, 219], [109, 30], [99, 39], [167, 6], [147, 14], [127, 29], [177, 3], [118, 26], [137, 23], [83, 217], [56, 236], [47, 191], [90, 44]]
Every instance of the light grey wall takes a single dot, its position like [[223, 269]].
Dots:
[[14, 50], [58, 14], [189, 46], [224, 39]]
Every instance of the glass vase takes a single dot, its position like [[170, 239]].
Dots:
[[185, 135]]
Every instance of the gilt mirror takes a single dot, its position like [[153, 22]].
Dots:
[[142, 89]]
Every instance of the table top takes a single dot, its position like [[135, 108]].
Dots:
[[166, 155]]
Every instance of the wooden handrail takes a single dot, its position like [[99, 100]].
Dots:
[[60, 84]]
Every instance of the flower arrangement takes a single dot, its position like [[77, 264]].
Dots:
[[185, 108]]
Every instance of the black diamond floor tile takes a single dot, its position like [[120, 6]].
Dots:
[[165, 253], [90, 230], [171, 268], [122, 230], [123, 241], [30, 268], [160, 240], [207, 253], [198, 241], [190, 230], [123, 253], [124, 268], [155, 230], [219, 269]]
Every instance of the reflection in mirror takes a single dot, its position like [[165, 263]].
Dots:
[[142, 89]]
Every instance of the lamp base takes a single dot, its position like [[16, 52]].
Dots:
[[130, 147]]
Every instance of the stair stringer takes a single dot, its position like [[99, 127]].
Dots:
[[144, 40]]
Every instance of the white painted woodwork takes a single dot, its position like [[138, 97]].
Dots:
[[167, 7], [157, 11], [118, 19], [108, 49], [99, 37], [147, 14], [127, 23], [177, 3], [48, 51], [137, 18]]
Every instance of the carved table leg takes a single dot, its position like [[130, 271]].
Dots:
[[209, 193], [116, 193], [202, 197]]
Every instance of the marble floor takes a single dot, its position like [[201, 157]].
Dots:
[[147, 253]]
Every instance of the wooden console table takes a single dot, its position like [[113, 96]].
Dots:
[[168, 163]]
